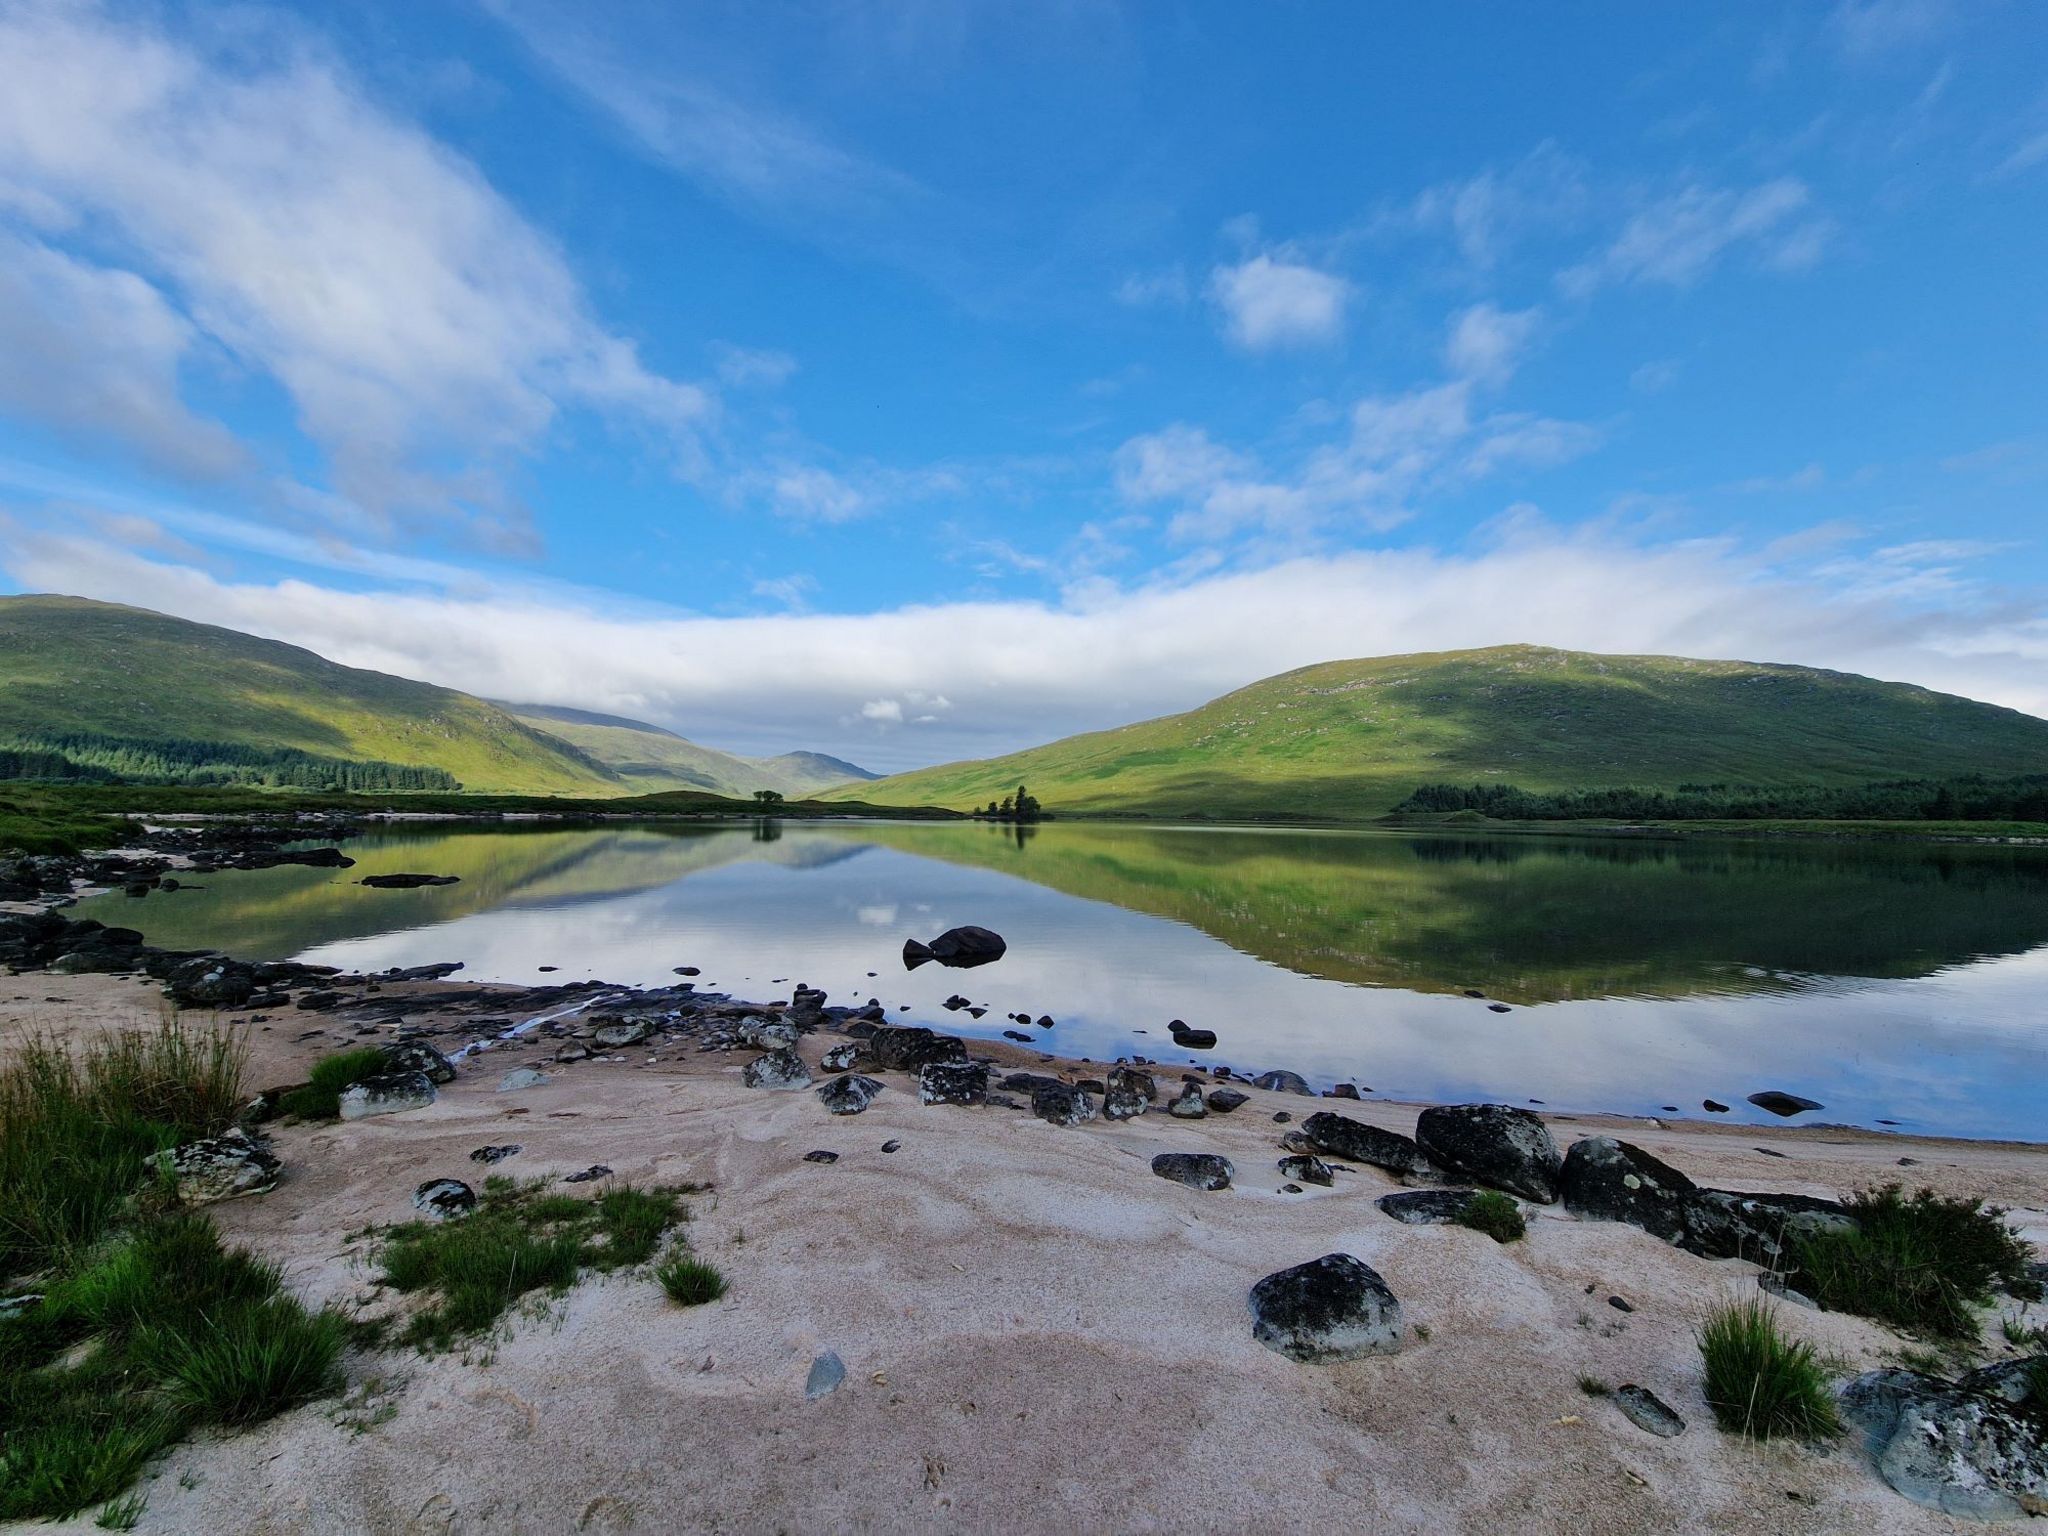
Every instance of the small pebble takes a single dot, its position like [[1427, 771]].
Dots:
[[821, 1157]]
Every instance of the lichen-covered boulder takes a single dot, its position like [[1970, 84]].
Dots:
[[952, 1082], [1356, 1142], [419, 1056], [219, 1168], [1333, 1308], [1306, 1168], [1197, 1170], [1493, 1144], [616, 1034], [777, 1069], [1607, 1179], [212, 982], [849, 1094], [444, 1199], [1127, 1093], [1189, 1104], [1282, 1082], [843, 1057], [907, 1048], [1223, 1100], [768, 1034], [388, 1093], [1062, 1104], [522, 1078], [1428, 1207], [1968, 1452]]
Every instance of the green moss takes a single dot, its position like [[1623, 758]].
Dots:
[[1495, 1214]]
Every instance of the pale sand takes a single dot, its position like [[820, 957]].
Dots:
[[1038, 1333]]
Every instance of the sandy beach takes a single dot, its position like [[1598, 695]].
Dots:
[[1038, 1333]]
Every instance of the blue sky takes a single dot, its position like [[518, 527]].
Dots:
[[917, 380]]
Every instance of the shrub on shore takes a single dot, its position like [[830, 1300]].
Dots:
[[1495, 1214], [1760, 1383], [689, 1281], [320, 1098], [1923, 1264]]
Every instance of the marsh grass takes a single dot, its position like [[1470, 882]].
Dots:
[[689, 1281], [1760, 1383], [1923, 1263], [320, 1098], [1495, 1214], [519, 1240]]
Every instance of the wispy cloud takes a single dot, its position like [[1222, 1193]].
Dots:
[[1271, 301], [1677, 239], [1487, 343]]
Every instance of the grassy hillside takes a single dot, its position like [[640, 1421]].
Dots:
[[1350, 739], [70, 666], [650, 759]]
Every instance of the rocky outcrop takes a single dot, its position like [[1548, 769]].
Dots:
[[1607, 1179], [1356, 1142], [1493, 1144], [218, 1168], [1197, 1170], [1970, 1454], [388, 1093], [909, 1048], [1333, 1308]]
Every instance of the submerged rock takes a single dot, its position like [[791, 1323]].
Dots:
[[444, 1198], [849, 1095], [1356, 1142], [388, 1093], [1784, 1105], [1333, 1308], [960, 948], [219, 1168], [1197, 1170], [1495, 1144], [407, 882], [777, 1069]]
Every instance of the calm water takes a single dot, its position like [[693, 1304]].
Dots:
[[1905, 984]]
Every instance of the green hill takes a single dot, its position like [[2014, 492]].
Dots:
[[651, 759], [112, 680], [1351, 739]]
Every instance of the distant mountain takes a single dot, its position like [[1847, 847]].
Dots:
[[124, 690], [1351, 739], [650, 759]]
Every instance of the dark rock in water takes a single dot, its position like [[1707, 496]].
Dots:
[[777, 1069], [1607, 1179], [848, 1095], [1308, 1168], [1333, 1308], [1062, 1104], [1127, 1093], [496, 1154], [407, 882], [1197, 1170], [952, 1082], [444, 1198], [388, 1093], [418, 1056], [1282, 1082], [616, 1034], [689, 970], [1966, 1453], [1017, 1034], [1427, 1207], [1224, 1100], [1495, 1144], [1357, 1142], [589, 1175], [907, 1048], [1344, 1091], [1498, 1008], [1647, 1411], [821, 1156], [1713, 1107], [1784, 1105], [1043, 1021], [1189, 1103], [1194, 1039], [219, 1168], [959, 948], [956, 1002]]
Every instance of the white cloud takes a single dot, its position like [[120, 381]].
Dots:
[[792, 591], [1487, 343], [1167, 286], [1488, 214], [423, 331], [1272, 302], [1017, 672], [752, 367], [1679, 238]]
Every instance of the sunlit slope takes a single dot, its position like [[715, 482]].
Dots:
[[1351, 739], [651, 759], [71, 665]]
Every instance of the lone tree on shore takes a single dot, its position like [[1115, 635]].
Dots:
[[768, 797]]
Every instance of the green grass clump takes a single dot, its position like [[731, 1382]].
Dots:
[[519, 1240], [1495, 1214], [122, 1514], [1593, 1386], [1923, 1264], [320, 1098], [1760, 1383], [690, 1282], [76, 1127], [245, 1361]]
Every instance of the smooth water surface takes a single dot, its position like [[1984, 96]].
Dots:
[[1894, 983]]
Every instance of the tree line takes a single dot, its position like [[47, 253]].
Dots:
[[1972, 797], [1021, 806], [84, 757]]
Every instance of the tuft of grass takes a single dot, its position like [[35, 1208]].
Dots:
[[1924, 1264], [519, 1239], [1495, 1214], [245, 1362], [1760, 1383], [689, 1281], [320, 1098], [122, 1514], [76, 1127], [1593, 1386]]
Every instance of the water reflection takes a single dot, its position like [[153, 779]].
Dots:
[[1889, 982]]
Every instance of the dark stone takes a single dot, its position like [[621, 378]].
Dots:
[[952, 1082], [849, 1095], [1495, 1144], [1647, 1411], [907, 1048], [1062, 1104], [388, 1093], [1427, 1207], [1357, 1142], [1333, 1308], [589, 1175], [777, 1069], [892, 1145], [1224, 1100], [1016, 1034], [1344, 1091], [1127, 1093], [1282, 1082], [1197, 1170], [212, 982], [1713, 1107], [1620, 1304], [1498, 1008], [959, 948], [1194, 1039], [418, 1056], [821, 1156], [319, 1000], [406, 882], [444, 1198], [1784, 1105], [1607, 1179], [1189, 1104], [841, 1058], [496, 1154], [1308, 1168]]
